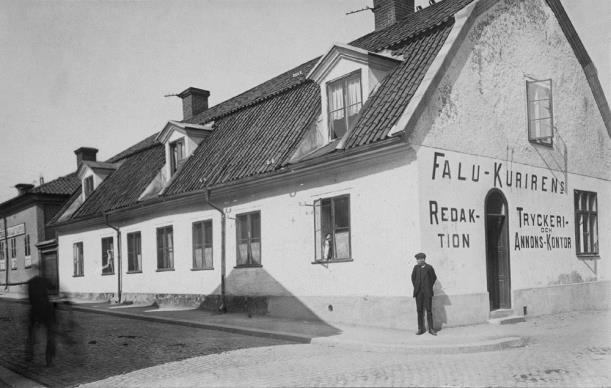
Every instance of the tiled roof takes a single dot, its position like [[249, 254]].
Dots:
[[254, 140], [260, 92], [65, 185], [406, 28], [142, 145], [385, 106], [125, 185]]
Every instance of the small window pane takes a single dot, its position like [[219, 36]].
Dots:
[[342, 212]]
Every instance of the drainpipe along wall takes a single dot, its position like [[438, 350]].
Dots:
[[223, 306], [6, 253], [119, 263]]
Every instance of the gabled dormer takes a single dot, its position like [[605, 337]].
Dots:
[[180, 141], [347, 76], [91, 173]]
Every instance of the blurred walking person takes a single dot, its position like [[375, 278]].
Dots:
[[42, 312]]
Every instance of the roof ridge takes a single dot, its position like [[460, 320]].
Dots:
[[261, 99], [263, 88]]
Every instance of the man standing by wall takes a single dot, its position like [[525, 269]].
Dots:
[[423, 278]]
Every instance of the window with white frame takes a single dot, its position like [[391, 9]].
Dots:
[[586, 222], [108, 267], [202, 245], [248, 239], [345, 99], [134, 252], [540, 112], [165, 248], [332, 228], [77, 254]]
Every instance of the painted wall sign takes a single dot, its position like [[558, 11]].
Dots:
[[13, 231], [447, 214], [546, 231], [498, 173]]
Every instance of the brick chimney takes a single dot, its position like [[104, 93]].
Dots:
[[194, 101], [23, 188], [388, 12], [85, 153]]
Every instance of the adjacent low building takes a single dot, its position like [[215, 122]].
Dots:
[[23, 226], [475, 131]]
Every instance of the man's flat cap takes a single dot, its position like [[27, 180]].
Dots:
[[420, 255]]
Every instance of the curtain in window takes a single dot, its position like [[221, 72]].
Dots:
[[336, 101], [354, 96]]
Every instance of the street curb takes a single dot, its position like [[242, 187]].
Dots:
[[475, 347], [210, 326]]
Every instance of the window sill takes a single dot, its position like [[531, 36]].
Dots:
[[202, 269], [548, 145], [249, 266], [108, 274], [332, 261], [164, 269], [588, 256], [78, 276], [128, 272]]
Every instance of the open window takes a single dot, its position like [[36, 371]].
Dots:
[[540, 112], [344, 100], [177, 154], [332, 229]]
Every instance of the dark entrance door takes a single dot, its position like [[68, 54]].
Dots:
[[497, 251]]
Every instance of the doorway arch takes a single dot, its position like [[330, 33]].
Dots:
[[497, 250]]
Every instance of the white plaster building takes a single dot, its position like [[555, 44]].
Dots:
[[475, 131]]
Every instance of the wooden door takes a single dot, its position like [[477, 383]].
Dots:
[[497, 251]]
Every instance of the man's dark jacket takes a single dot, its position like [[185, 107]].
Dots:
[[423, 279]]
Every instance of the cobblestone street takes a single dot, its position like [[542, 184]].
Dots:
[[107, 346], [569, 349]]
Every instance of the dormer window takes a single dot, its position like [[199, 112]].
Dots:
[[177, 154], [88, 186], [345, 99]]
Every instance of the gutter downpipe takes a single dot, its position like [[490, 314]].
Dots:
[[6, 268], [119, 269], [223, 306]]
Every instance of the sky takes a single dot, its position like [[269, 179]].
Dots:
[[94, 73]]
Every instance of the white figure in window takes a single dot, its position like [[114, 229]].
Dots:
[[327, 247], [108, 267]]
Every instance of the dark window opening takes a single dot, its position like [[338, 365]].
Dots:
[[202, 245], [134, 252], [586, 223], [248, 231], [165, 248]]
